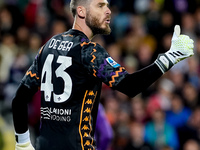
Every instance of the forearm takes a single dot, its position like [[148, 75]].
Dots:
[[137, 82], [20, 108]]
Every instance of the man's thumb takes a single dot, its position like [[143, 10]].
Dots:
[[177, 32]]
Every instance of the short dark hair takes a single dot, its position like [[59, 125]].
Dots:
[[75, 3]]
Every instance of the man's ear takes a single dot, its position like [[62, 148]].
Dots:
[[81, 11]]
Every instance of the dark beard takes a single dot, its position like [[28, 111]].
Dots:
[[94, 25]]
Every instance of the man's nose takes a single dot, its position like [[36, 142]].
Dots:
[[108, 11]]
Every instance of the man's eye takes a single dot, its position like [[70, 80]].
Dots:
[[100, 5]]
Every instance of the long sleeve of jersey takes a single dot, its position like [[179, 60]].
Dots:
[[20, 108], [23, 96], [99, 64], [137, 82]]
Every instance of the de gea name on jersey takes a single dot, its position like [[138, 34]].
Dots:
[[60, 45]]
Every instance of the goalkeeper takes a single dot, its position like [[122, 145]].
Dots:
[[69, 70]]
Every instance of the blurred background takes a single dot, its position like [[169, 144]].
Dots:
[[164, 117]]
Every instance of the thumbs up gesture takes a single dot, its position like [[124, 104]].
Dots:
[[181, 48]]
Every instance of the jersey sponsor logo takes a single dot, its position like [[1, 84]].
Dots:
[[56, 114], [112, 62]]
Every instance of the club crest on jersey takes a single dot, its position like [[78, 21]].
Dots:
[[112, 62]]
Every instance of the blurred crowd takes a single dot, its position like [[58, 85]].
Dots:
[[166, 116]]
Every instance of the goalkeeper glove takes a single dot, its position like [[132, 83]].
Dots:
[[23, 141], [24, 146], [181, 48]]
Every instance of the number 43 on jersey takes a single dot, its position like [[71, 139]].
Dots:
[[47, 85]]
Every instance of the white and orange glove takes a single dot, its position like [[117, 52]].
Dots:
[[181, 48], [23, 141]]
